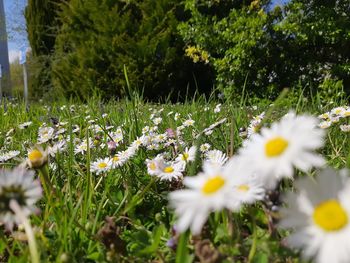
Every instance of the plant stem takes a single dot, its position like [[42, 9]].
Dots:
[[28, 229], [255, 237]]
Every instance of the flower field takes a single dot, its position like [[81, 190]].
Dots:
[[201, 181]]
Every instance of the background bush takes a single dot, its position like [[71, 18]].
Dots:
[[267, 49], [98, 38]]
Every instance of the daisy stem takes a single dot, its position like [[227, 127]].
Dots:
[[255, 237], [44, 172], [98, 183], [28, 229]]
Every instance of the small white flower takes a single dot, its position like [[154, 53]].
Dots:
[[338, 111], [188, 122], [177, 116], [169, 170], [188, 155], [345, 128], [45, 134], [83, 146], [325, 124], [154, 165], [25, 125], [204, 147], [101, 166], [157, 121], [8, 156], [217, 108], [58, 147]]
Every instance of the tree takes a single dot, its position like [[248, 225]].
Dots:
[[42, 27], [97, 39]]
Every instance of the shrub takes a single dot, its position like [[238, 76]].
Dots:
[[97, 39]]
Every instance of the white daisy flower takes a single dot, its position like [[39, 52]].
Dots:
[[25, 125], [101, 166], [217, 108], [204, 147], [334, 119], [324, 116], [154, 165], [346, 112], [325, 124], [45, 134], [83, 146], [18, 185], [145, 129], [289, 143], [338, 111], [345, 128], [117, 161], [216, 157], [188, 155], [57, 147], [169, 170], [8, 156], [319, 215], [37, 157], [157, 121], [209, 191], [188, 122], [177, 116]]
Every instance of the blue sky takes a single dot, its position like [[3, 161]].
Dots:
[[15, 24]]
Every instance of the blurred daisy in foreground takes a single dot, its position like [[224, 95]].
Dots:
[[212, 190], [289, 143], [319, 215], [17, 185]]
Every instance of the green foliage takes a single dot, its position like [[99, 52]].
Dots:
[[264, 49], [42, 25], [97, 39]]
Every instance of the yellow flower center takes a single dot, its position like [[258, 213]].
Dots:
[[115, 159], [102, 165], [35, 155], [152, 166], [330, 215], [185, 156], [243, 188], [168, 169], [275, 147], [213, 185]]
